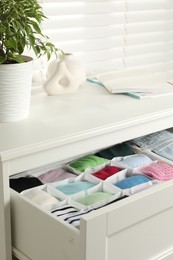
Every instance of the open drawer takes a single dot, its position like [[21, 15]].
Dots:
[[137, 227]]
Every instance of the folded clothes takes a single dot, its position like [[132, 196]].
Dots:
[[136, 160], [106, 172], [152, 140], [24, 183], [94, 198], [159, 171], [165, 149], [41, 198], [64, 211], [74, 187], [75, 218], [70, 214], [132, 181], [87, 161], [55, 175], [122, 149]]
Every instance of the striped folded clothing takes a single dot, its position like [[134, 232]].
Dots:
[[65, 211], [70, 214]]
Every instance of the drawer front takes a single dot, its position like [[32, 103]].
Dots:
[[139, 227], [142, 229]]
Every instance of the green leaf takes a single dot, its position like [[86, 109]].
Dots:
[[2, 56], [11, 43], [36, 27], [18, 59]]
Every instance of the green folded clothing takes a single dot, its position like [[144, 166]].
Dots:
[[94, 198], [87, 161]]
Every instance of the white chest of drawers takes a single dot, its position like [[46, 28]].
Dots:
[[63, 127]]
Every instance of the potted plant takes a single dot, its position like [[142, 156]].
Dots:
[[20, 29]]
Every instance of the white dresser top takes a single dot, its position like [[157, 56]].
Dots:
[[89, 113]]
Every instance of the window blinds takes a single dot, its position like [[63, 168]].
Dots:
[[131, 37]]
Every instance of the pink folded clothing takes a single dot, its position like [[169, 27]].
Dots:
[[159, 171], [55, 175], [106, 172]]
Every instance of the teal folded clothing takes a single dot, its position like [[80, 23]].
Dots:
[[94, 198], [132, 181], [87, 161], [74, 187], [122, 149]]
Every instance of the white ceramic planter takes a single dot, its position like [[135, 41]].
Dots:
[[15, 90]]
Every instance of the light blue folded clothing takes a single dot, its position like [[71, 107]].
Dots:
[[132, 181], [137, 160], [74, 187]]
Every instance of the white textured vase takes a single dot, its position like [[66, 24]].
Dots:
[[15, 90], [64, 76]]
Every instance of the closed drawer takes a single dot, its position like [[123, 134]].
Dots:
[[137, 227]]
